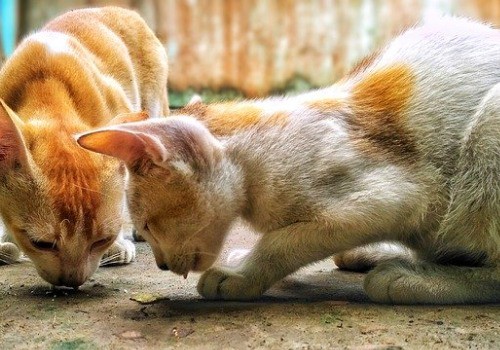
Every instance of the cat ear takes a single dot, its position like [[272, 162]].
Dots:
[[194, 100], [128, 118], [194, 140], [12, 148], [127, 145]]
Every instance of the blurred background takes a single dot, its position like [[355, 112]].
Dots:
[[232, 48]]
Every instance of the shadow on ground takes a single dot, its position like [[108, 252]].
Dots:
[[140, 307]]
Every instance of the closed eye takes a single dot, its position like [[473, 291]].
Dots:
[[44, 245], [102, 243]]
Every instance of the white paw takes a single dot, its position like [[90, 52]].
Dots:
[[219, 283], [9, 253], [397, 282], [121, 252]]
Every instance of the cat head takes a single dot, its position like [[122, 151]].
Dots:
[[62, 205], [172, 196]]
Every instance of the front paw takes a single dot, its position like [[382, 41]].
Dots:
[[219, 283], [121, 252], [9, 253], [397, 282]]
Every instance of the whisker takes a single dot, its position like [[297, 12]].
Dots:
[[186, 241], [92, 190], [111, 257], [108, 260]]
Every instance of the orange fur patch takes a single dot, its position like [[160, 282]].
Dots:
[[73, 175], [379, 102], [76, 190], [327, 105], [224, 119]]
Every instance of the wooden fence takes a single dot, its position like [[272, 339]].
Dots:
[[260, 46]]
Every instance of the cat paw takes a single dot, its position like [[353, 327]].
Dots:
[[9, 253], [120, 253], [396, 282], [219, 283], [353, 261]]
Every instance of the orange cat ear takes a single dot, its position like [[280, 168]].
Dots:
[[129, 118], [12, 148], [126, 145]]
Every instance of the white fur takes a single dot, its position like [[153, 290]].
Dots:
[[56, 43], [313, 193]]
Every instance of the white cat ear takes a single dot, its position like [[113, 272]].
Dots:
[[126, 145], [123, 118], [194, 100], [12, 147], [195, 142]]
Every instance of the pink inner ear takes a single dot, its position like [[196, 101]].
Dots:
[[120, 144], [12, 147], [126, 145]]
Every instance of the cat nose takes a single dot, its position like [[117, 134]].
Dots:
[[163, 267]]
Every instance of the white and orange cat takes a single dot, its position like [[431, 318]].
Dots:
[[405, 149], [61, 205]]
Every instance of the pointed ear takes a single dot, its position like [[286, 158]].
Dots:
[[127, 145], [12, 148], [194, 100], [123, 118], [195, 142]]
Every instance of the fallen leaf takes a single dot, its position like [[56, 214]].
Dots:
[[147, 298]]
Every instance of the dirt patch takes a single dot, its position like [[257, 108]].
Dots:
[[141, 307]]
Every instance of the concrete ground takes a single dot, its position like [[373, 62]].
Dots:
[[140, 307]]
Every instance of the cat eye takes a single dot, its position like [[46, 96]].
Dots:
[[146, 227], [101, 243], [44, 245]]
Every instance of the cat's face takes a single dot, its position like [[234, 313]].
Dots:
[[61, 204], [168, 198], [173, 213]]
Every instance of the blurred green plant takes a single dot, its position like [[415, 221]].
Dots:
[[178, 99]]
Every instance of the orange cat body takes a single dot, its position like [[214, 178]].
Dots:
[[62, 205]]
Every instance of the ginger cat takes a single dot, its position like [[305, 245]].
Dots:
[[405, 148], [60, 204]]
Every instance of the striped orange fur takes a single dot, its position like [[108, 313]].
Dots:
[[78, 72]]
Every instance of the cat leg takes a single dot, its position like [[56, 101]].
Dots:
[[9, 252], [365, 258], [469, 233], [121, 252], [276, 255], [403, 282]]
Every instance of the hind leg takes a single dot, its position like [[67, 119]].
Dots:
[[469, 233], [403, 282], [365, 258]]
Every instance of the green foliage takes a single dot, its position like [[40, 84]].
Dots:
[[178, 99]]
